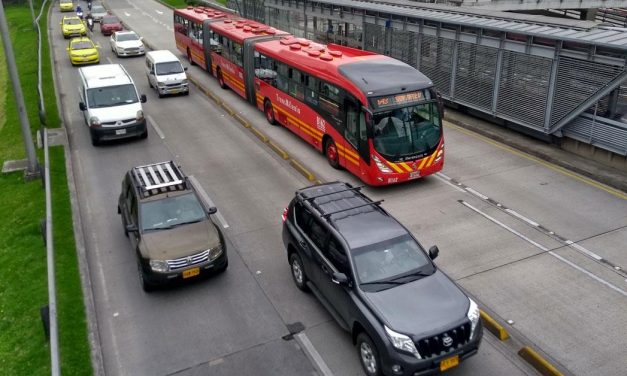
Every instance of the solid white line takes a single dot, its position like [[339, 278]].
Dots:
[[155, 126], [582, 249], [109, 60], [158, 11], [444, 180], [443, 175], [207, 200], [520, 216], [476, 193], [313, 354], [505, 226], [618, 290], [591, 275], [127, 14]]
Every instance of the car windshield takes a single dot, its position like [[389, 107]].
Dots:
[[82, 45], [407, 131], [110, 20], [112, 96], [170, 67], [389, 261], [98, 9], [171, 211], [72, 21], [127, 36]]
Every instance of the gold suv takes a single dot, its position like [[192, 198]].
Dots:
[[171, 232]]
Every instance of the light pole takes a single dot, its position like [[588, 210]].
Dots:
[[32, 170]]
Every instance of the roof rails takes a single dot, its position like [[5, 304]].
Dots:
[[159, 177], [326, 215]]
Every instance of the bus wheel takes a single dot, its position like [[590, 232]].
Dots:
[[221, 80], [330, 150], [269, 111], [189, 57]]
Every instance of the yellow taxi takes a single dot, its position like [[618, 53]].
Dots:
[[83, 51], [66, 5], [72, 26]]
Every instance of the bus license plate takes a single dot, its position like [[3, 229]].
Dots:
[[120, 131], [414, 175], [449, 363], [191, 272]]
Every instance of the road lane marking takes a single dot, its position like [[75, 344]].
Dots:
[[446, 180], [313, 354], [561, 170], [127, 14], [521, 217], [158, 11], [109, 60], [480, 195], [544, 249], [155, 126], [205, 197]]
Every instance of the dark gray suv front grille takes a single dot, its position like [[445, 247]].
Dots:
[[189, 260], [437, 345]]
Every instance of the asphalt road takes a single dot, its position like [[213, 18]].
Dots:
[[532, 244]]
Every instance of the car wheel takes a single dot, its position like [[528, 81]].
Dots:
[[223, 269], [144, 135], [189, 57], [94, 139], [146, 286], [298, 272], [150, 84], [330, 150], [368, 355], [269, 111]]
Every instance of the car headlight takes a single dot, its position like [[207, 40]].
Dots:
[[159, 266], [215, 252], [380, 165], [473, 315], [184, 81], [94, 122], [139, 116], [402, 342]]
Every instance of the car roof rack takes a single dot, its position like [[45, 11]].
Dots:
[[159, 177], [358, 194]]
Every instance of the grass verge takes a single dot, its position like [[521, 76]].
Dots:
[[23, 276]]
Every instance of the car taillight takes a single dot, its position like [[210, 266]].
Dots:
[[284, 215]]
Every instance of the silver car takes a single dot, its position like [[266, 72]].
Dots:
[[97, 12]]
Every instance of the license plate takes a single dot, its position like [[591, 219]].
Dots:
[[120, 131], [191, 272], [414, 175], [449, 363]]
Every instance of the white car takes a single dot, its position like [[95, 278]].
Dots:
[[127, 43]]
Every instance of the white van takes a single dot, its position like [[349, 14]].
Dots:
[[165, 73], [110, 103]]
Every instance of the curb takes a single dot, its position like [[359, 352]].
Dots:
[[538, 362], [494, 327]]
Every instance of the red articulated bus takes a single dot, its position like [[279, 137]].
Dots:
[[373, 115]]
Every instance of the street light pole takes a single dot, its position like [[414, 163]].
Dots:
[[32, 169]]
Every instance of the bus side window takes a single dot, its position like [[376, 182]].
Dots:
[[282, 77], [236, 56], [352, 123], [311, 91], [265, 69], [296, 87]]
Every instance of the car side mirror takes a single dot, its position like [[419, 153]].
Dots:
[[184, 68], [82, 106], [340, 279], [131, 228], [433, 252], [143, 98], [212, 210]]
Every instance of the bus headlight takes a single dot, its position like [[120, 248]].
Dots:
[[380, 165]]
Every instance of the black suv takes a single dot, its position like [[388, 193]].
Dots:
[[406, 317], [171, 233]]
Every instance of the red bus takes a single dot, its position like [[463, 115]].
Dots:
[[373, 115]]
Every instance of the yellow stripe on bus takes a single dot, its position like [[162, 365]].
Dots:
[[395, 167], [406, 167], [432, 158]]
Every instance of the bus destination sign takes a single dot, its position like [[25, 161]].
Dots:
[[398, 99]]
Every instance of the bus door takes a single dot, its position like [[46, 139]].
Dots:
[[356, 137]]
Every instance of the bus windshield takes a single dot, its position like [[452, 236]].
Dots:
[[408, 131]]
